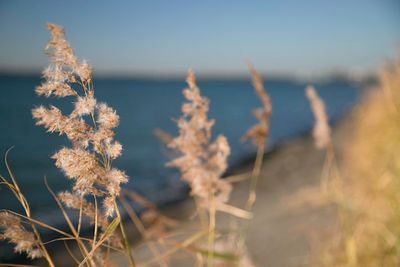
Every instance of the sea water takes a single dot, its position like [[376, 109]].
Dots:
[[144, 105]]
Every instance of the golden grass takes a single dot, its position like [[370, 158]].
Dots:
[[367, 192]]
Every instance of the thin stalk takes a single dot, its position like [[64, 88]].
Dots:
[[252, 193], [80, 216], [126, 241], [84, 239], [254, 178], [211, 234], [201, 212], [95, 222]]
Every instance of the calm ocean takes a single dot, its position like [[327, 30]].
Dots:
[[144, 105]]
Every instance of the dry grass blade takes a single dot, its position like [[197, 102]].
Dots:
[[15, 188], [95, 222], [127, 245], [83, 239], [237, 178], [106, 235], [226, 256], [237, 212]]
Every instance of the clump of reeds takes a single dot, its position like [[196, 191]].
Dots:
[[369, 198], [365, 191]]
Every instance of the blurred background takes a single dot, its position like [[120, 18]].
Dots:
[[140, 52]]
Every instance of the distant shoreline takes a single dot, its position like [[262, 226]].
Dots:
[[365, 80]]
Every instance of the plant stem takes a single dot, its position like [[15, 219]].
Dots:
[[211, 235], [252, 193], [126, 241], [254, 178]]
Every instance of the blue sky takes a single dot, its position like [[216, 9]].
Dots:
[[305, 38]]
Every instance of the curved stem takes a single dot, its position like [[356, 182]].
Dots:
[[254, 178], [22, 200], [124, 236]]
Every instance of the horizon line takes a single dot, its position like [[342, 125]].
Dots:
[[334, 75]]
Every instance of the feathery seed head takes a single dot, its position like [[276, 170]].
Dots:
[[107, 117], [62, 54], [23, 240], [321, 131], [79, 165], [259, 132], [84, 106], [88, 162], [201, 162], [109, 207], [113, 150]]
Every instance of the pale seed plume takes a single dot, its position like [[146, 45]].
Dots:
[[259, 132], [84, 106], [14, 231], [321, 131], [89, 127], [201, 162]]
